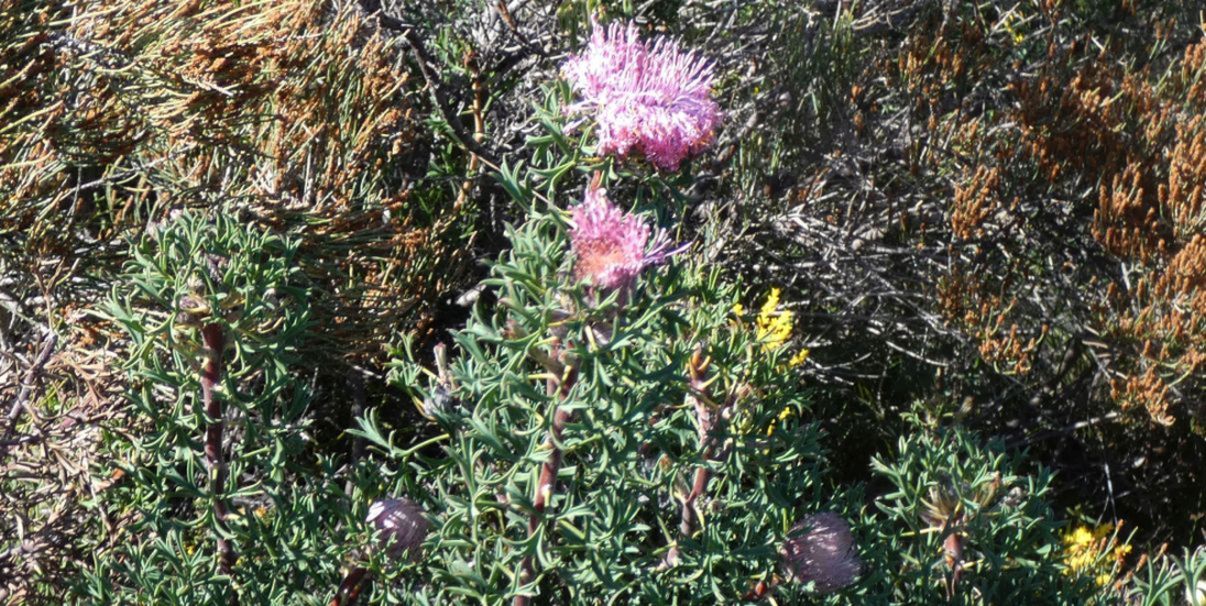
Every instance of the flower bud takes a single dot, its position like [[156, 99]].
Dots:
[[821, 550], [400, 526]]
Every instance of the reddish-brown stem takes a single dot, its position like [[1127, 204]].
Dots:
[[546, 484], [548, 471], [349, 590], [953, 547], [707, 417], [214, 340], [690, 518]]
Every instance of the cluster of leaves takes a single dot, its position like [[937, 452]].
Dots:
[[629, 450], [961, 525], [1171, 580], [960, 518]]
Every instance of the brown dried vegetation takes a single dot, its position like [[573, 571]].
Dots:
[[1088, 121], [1036, 170], [1150, 215], [299, 115]]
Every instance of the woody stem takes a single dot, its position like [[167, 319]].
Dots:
[[546, 484], [214, 344], [349, 590]]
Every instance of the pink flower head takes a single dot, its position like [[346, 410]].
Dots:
[[611, 246], [649, 99], [821, 550]]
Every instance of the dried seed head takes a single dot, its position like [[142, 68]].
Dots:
[[821, 550], [215, 265], [400, 525], [192, 310]]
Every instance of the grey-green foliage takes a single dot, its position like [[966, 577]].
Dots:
[[286, 513], [632, 444], [1170, 580], [630, 449], [953, 496]]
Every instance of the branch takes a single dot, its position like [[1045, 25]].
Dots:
[[31, 376], [439, 97], [707, 414], [547, 483], [214, 345]]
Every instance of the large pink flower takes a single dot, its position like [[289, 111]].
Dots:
[[648, 99], [611, 246]]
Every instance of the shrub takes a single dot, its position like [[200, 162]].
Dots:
[[300, 116], [1000, 210], [606, 439], [219, 490], [962, 525]]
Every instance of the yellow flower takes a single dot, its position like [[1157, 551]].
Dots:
[[798, 358], [773, 326], [783, 416], [772, 301], [1079, 538], [1085, 548]]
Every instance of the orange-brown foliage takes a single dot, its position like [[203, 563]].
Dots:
[[1087, 122], [990, 319], [292, 112]]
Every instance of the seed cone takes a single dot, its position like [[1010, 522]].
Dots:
[[821, 550], [400, 524]]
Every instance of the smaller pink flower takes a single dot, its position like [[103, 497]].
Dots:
[[611, 246], [821, 551]]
